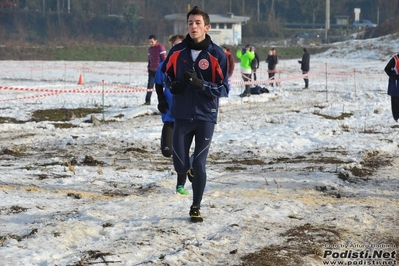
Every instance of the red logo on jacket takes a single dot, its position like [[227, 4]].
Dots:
[[203, 64]]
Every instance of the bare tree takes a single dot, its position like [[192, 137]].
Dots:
[[388, 8], [59, 12]]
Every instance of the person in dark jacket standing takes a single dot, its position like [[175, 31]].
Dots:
[[305, 66], [392, 70], [254, 62], [272, 61], [156, 55], [196, 73]]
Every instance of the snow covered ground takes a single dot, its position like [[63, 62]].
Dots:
[[304, 177]]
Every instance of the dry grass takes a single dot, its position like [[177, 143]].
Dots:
[[300, 242]]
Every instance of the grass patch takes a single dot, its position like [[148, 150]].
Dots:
[[342, 116], [64, 125], [53, 176], [102, 53], [245, 161], [303, 159], [12, 152], [267, 256], [344, 176], [4, 120], [301, 241], [118, 53], [77, 53], [13, 210], [235, 168], [371, 162], [94, 257], [62, 114], [56, 115], [16, 237]]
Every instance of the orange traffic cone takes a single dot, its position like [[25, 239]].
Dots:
[[80, 81]]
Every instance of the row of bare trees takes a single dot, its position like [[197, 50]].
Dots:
[[130, 21], [286, 10]]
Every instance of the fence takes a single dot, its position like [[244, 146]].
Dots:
[[42, 79]]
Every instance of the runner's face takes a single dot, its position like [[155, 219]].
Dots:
[[197, 28]]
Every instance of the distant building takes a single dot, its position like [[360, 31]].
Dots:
[[342, 20], [225, 29]]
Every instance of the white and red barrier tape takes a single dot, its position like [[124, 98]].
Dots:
[[121, 89], [84, 90]]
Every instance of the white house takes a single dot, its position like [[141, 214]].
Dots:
[[225, 29]]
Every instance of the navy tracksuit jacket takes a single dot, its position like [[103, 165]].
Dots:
[[195, 110]]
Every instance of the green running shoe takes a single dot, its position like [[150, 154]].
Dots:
[[181, 190]]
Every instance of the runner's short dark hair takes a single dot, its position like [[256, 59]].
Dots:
[[197, 11]]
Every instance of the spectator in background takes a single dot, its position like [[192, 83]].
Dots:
[[246, 56], [230, 61], [272, 61], [254, 62], [305, 66], [165, 107], [392, 70], [156, 55]]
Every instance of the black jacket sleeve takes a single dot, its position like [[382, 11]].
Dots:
[[159, 90], [389, 69], [389, 66]]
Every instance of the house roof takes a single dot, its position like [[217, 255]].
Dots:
[[215, 18]]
